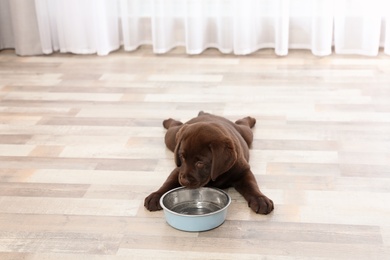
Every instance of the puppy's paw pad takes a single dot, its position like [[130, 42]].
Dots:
[[252, 121], [248, 121], [261, 205], [152, 202], [167, 123]]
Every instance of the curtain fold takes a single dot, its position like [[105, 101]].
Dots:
[[208, 25], [18, 27], [232, 26], [321, 27], [136, 24], [78, 26], [358, 27], [387, 35]]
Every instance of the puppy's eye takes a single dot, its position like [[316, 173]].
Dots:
[[199, 165]]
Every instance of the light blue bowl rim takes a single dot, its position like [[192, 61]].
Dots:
[[195, 216]]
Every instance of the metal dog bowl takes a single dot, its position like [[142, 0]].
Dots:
[[195, 209]]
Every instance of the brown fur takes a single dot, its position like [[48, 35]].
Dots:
[[212, 151]]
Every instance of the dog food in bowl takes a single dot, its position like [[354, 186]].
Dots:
[[195, 209]]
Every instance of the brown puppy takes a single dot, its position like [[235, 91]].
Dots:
[[212, 151]]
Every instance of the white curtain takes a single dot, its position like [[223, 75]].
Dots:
[[78, 26], [18, 27], [360, 26], [232, 26]]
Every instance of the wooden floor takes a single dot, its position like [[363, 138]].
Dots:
[[81, 145]]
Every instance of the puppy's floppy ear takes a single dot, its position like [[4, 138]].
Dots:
[[224, 156], [177, 157], [179, 137]]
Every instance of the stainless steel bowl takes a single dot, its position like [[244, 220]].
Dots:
[[195, 209]]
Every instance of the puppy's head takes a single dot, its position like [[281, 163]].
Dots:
[[203, 152]]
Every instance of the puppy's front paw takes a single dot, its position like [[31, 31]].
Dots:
[[152, 202], [261, 205]]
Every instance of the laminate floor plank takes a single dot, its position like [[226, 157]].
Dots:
[[82, 145]]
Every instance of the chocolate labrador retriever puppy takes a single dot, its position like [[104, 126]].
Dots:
[[212, 151]]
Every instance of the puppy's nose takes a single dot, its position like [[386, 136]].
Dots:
[[187, 181], [184, 182]]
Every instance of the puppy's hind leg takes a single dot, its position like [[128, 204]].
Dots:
[[244, 126], [168, 123], [202, 113], [247, 121], [170, 136]]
